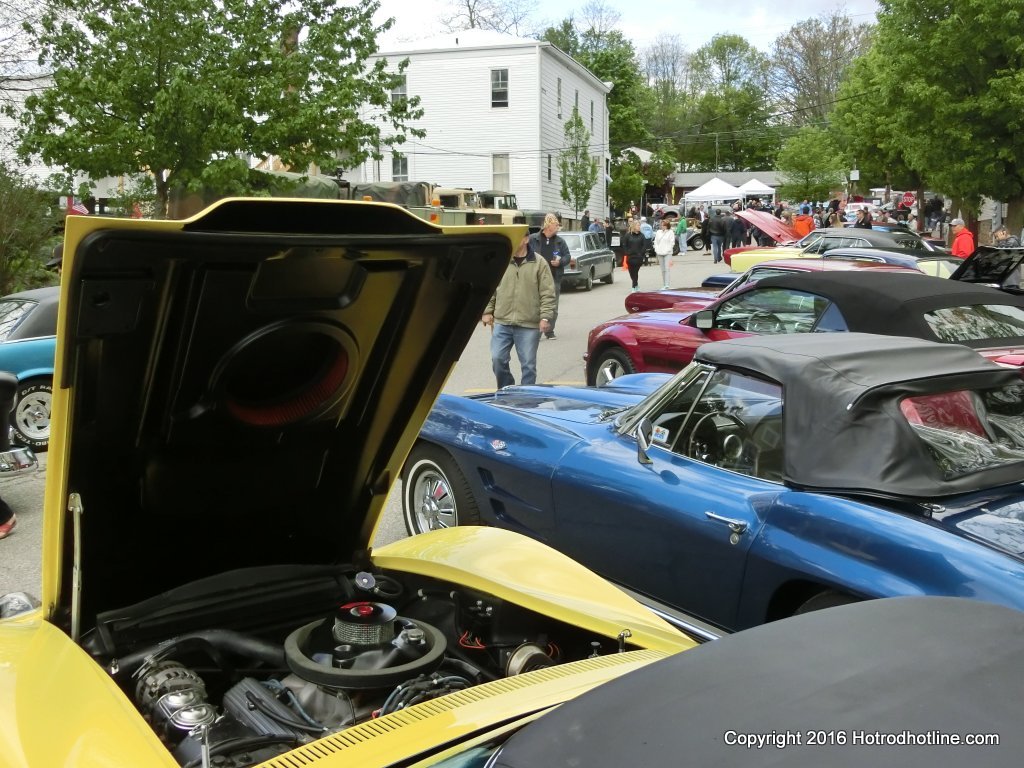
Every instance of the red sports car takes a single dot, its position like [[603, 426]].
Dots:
[[867, 301], [693, 299]]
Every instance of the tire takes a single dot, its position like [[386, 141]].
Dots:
[[827, 599], [435, 493], [697, 243], [30, 418], [611, 364], [610, 277], [587, 283]]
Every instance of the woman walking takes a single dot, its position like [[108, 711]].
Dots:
[[633, 246], [664, 241]]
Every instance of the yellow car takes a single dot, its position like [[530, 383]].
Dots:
[[234, 396], [821, 240]]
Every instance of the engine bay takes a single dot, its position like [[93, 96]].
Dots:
[[237, 692]]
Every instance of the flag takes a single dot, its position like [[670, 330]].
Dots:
[[78, 208]]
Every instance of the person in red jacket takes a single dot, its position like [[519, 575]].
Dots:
[[803, 223], [963, 240]]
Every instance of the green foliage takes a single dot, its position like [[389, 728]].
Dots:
[[811, 167], [576, 166], [27, 233], [952, 90], [627, 180], [186, 90], [728, 124]]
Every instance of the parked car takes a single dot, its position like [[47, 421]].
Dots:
[[715, 286], [825, 689], [773, 475], [589, 260], [28, 324], [235, 394], [865, 300], [821, 240]]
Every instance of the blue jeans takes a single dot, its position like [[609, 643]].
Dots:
[[717, 246], [526, 341]]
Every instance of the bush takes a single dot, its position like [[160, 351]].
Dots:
[[28, 233]]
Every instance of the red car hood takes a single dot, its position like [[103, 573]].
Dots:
[[1011, 357], [776, 229]]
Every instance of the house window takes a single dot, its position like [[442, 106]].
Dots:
[[399, 93], [591, 117], [502, 180], [549, 167], [559, 103], [399, 168], [499, 87], [576, 104]]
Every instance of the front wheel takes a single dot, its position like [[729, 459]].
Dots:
[[30, 418], [435, 493], [588, 282], [697, 243], [827, 599], [611, 364]]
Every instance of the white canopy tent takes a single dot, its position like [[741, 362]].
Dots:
[[755, 188], [716, 189]]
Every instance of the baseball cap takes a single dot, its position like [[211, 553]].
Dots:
[[957, 223]]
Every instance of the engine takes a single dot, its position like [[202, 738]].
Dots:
[[230, 698]]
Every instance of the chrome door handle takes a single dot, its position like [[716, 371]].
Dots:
[[736, 526]]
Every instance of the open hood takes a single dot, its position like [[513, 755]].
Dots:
[[241, 389], [990, 265], [776, 229]]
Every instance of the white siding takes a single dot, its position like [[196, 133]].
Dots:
[[464, 131]]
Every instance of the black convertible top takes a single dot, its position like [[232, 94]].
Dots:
[[842, 425], [887, 682], [893, 303]]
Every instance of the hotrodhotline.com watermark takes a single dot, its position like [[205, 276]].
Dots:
[[857, 738]]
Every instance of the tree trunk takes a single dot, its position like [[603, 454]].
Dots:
[[162, 189]]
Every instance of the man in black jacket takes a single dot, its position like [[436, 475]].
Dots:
[[554, 250], [716, 231]]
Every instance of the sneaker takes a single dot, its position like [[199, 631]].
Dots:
[[664, 287], [551, 336], [6, 528]]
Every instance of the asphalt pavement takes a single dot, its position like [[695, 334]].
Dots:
[[558, 361]]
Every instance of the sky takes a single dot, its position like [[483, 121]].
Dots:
[[694, 22]]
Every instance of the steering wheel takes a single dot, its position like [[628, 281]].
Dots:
[[765, 322], [710, 449]]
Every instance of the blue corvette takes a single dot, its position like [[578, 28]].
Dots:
[[28, 327], [774, 475]]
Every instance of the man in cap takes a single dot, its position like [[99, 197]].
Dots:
[[963, 240]]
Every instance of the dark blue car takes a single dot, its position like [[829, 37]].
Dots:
[[28, 327], [774, 475]]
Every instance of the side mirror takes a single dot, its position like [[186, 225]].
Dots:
[[704, 319], [643, 440]]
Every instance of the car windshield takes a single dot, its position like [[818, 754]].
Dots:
[[11, 313], [913, 243], [976, 322], [967, 431]]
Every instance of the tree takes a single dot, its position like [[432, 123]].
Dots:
[[953, 89], [667, 70], [511, 16], [187, 91], [576, 165], [27, 233], [810, 166], [808, 63], [727, 125]]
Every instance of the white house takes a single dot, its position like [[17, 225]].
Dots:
[[495, 108]]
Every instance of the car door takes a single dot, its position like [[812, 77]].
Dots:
[[678, 528]]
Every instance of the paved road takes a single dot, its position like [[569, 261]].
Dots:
[[558, 361]]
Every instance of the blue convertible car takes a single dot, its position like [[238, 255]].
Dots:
[[772, 476]]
